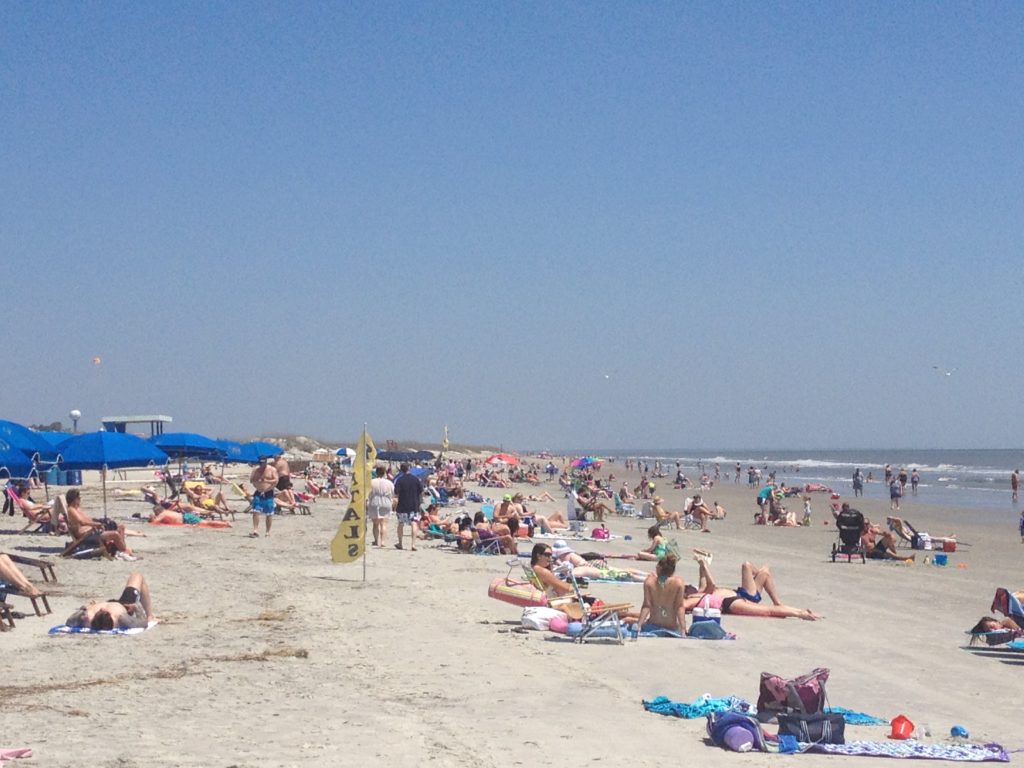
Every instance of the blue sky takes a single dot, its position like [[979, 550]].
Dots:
[[764, 223]]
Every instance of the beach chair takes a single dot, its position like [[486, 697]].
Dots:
[[622, 508], [598, 620], [6, 615], [45, 567], [10, 589], [906, 534], [850, 525], [41, 519]]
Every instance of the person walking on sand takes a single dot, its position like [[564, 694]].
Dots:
[[1015, 484], [379, 505], [409, 491], [895, 492], [264, 477]]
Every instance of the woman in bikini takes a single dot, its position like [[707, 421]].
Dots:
[[658, 548], [664, 602], [745, 600]]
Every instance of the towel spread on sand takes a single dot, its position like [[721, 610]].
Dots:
[[64, 629], [970, 753], [13, 754], [700, 707], [856, 718]]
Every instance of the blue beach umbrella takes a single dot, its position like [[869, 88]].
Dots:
[[14, 463], [23, 439], [55, 438], [181, 445], [231, 451], [109, 450], [263, 449]]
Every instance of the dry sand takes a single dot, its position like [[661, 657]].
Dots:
[[269, 655]]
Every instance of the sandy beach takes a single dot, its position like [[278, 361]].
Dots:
[[270, 655]]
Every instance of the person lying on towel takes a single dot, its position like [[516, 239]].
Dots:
[[745, 600], [134, 608]]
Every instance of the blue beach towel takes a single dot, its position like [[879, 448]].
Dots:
[[64, 629], [700, 707], [856, 718]]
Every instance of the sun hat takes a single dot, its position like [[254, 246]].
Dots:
[[560, 548], [507, 497]]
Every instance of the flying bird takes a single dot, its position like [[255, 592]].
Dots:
[[944, 373]]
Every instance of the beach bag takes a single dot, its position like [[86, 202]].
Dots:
[[541, 618], [826, 728], [600, 533], [804, 694]]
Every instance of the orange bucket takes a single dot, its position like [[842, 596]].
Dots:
[[902, 727]]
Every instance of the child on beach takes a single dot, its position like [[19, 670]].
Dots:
[[807, 510]]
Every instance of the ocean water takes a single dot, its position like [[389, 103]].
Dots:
[[975, 479]]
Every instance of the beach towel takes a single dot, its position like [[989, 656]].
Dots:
[[968, 753], [7, 753], [64, 629], [201, 524], [700, 707], [856, 718]]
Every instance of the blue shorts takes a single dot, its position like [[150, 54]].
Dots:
[[755, 598], [263, 504]]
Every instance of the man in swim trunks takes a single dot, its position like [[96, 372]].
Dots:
[[91, 534], [132, 609], [284, 473], [664, 604], [264, 478]]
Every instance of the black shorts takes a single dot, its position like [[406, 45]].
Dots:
[[284, 483]]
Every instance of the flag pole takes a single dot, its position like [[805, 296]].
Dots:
[[365, 491]]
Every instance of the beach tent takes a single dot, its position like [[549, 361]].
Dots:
[[423, 455], [109, 450], [23, 439]]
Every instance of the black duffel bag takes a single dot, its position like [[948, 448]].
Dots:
[[823, 727]]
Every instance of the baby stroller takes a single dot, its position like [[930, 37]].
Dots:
[[850, 523]]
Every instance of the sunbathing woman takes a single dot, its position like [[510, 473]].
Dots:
[[658, 548], [132, 609], [745, 600], [491, 531], [664, 601], [590, 503], [566, 560]]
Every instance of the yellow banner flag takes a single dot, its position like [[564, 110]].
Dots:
[[349, 543]]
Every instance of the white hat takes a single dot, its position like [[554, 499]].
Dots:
[[560, 548]]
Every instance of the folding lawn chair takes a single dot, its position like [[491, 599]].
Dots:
[[622, 508]]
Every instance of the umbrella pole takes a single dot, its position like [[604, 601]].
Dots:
[[103, 476]]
